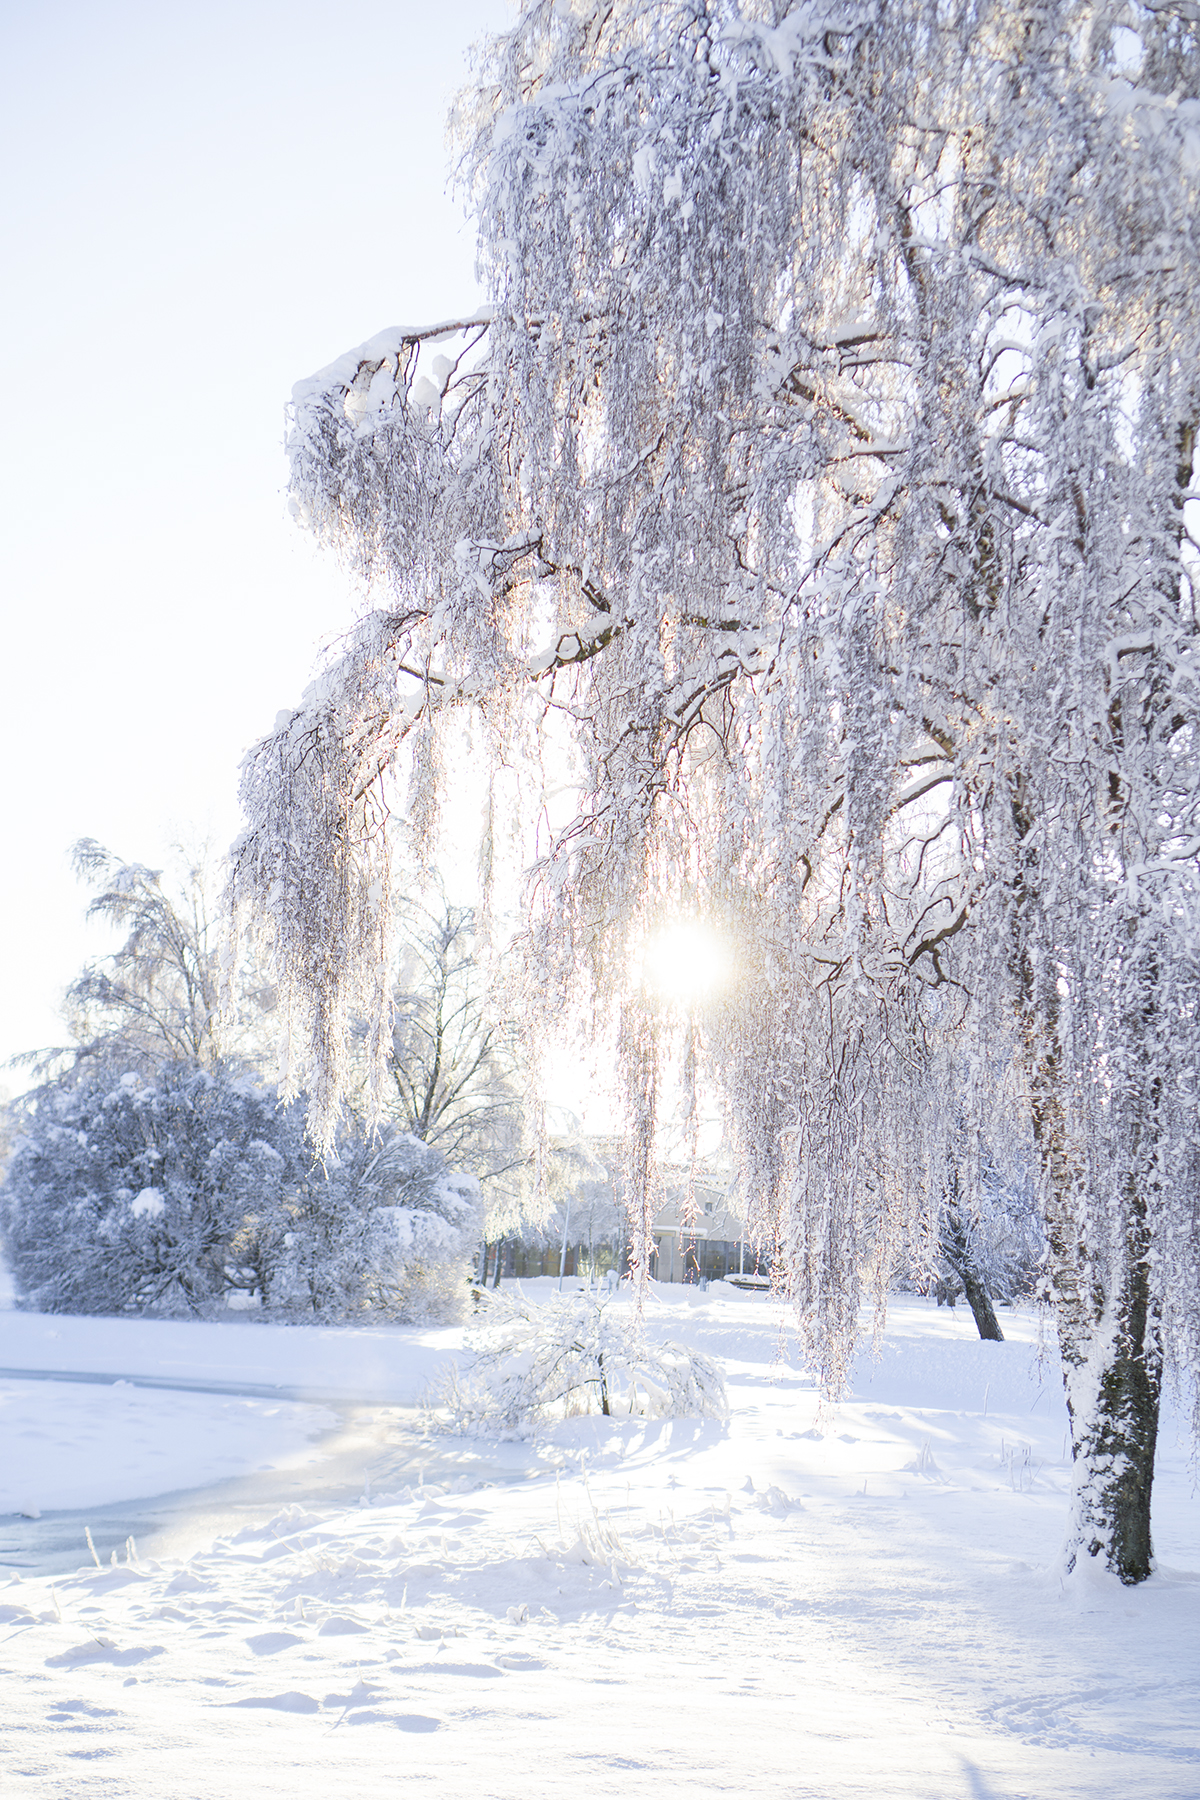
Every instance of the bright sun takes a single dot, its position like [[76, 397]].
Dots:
[[687, 962]]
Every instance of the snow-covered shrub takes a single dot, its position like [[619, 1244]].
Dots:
[[127, 1191], [531, 1365], [173, 1190], [383, 1227]]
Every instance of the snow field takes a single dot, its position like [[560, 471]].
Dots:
[[68, 1444], [71, 1445], [385, 1363], [810, 1602]]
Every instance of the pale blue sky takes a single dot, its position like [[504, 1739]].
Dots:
[[201, 204]]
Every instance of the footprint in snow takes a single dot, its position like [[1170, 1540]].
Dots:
[[481, 1670], [268, 1643], [401, 1721], [70, 1709], [290, 1702], [103, 1650], [187, 1583]]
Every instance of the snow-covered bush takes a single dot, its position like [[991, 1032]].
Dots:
[[173, 1190], [383, 1227], [126, 1191], [531, 1365]]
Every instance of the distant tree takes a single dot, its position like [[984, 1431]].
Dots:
[[157, 998], [8, 1127], [987, 1240], [456, 1081], [585, 1186], [960, 1258], [453, 1063], [569, 1194]]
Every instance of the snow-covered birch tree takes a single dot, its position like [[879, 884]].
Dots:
[[821, 472]]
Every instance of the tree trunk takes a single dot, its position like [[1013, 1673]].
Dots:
[[957, 1251], [980, 1302], [1109, 1338], [1113, 1379]]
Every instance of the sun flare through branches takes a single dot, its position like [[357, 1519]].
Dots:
[[685, 963]]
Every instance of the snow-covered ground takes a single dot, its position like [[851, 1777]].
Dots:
[[803, 1603], [71, 1444], [393, 1364]]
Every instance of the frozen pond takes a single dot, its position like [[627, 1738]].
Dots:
[[370, 1450]]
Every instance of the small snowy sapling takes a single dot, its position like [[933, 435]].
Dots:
[[532, 1365]]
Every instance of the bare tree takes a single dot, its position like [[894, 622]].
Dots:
[[453, 1064], [157, 995]]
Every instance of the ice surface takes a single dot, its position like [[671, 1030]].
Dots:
[[377, 1363], [67, 1444]]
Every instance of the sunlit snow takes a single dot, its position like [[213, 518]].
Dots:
[[811, 1601]]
